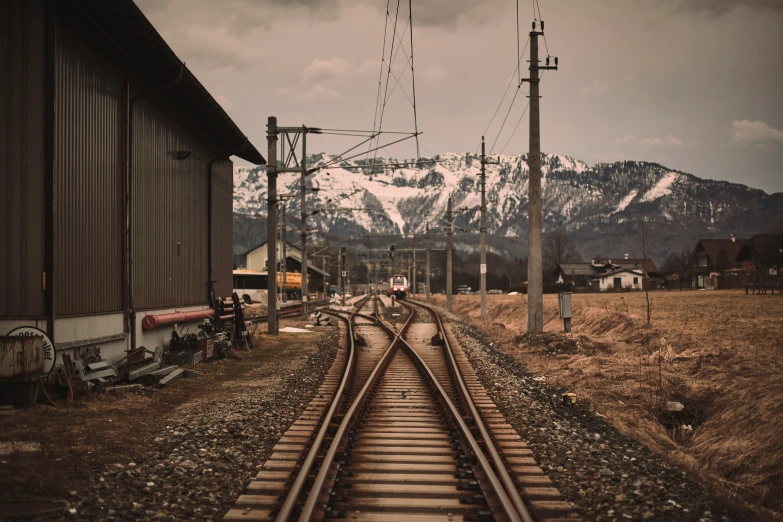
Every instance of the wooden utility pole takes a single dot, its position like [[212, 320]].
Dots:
[[271, 225], [535, 282], [427, 275], [303, 190], [449, 246]]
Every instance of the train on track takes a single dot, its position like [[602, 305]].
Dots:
[[398, 287]]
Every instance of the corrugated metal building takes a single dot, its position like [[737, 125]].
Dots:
[[115, 176]]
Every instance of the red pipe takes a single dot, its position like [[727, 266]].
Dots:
[[150, 322]]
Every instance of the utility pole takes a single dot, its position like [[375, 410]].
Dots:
[[535, 282], [303, 191], [339, 271], [483, 229], [345, 272], [413, 291], [283, 266], [271, 225], [427, 275], [449, 246]]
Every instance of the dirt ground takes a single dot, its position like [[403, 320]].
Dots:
[[58, 452], [717, 353]]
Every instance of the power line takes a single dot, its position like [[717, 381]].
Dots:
[[413, 81], [380, 73], [510, 81]]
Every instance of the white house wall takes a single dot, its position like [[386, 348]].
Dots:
[[607, 283]]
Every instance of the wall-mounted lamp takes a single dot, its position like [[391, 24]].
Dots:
[[183, 154]]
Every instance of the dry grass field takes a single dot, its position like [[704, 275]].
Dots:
[[716, 352]]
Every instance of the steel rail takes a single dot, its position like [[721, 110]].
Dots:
[[347, 422], [296, 488], [505, 477], [509, 507]]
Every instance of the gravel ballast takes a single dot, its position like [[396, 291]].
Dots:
[[604, 474], [205, 460]]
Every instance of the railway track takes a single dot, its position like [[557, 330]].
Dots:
[[401, 429]]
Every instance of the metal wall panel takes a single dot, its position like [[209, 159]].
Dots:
[[88, 174], [169, 224], [22, 87], [223, 226]]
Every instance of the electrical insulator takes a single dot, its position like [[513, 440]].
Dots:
[[534, 26], [542, 26], [555, 61], [547, 61]]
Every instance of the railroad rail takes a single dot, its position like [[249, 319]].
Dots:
[[401, 429]]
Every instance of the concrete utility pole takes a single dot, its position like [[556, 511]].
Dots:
[[345, 272], [303, 191], [535, 282], [339, 272], [271, 225], [427, 274], [413, 290], [449, 246], [483, 229]]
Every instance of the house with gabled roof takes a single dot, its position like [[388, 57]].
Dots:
[[715, 259]]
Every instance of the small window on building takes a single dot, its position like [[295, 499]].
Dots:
[[636, 280], [618, 282]]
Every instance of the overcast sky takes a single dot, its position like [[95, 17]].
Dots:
[[694, 85]]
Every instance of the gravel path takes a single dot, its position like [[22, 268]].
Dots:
[[604, 474], [203, 462]]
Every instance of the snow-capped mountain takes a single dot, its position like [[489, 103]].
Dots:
[[600, 206]]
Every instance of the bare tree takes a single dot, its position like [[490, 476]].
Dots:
[[681, 264], [559, 249], [643, 231]]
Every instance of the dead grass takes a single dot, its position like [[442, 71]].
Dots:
[[718, 353]]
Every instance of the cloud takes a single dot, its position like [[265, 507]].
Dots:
[[214, 48], [315, 92], [434, 73], [321, 70], [717, 8], [625, 139], [755, 133], [597, 87], [669, 141]]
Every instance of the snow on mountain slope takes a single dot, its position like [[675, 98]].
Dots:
[[599, 206]]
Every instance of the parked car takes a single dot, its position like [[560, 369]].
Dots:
[[495, 292]]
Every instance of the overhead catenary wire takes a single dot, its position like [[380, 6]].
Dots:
[[380, 73], [413, 81], [505, 93]]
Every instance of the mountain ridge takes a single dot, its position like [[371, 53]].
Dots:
[[600, 206]]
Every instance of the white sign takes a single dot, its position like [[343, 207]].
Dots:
[[304, 298], [483, 268], [48, 348]]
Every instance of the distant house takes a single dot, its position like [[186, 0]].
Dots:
[[621, 278], [716, 263], [762, 256], [589, 275], [256, 259], [579, 275]]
